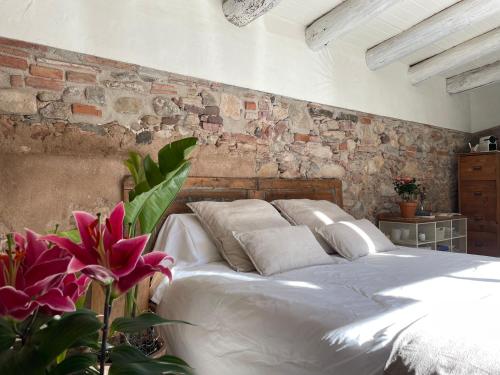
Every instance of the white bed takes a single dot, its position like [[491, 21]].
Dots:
[[333, 319]]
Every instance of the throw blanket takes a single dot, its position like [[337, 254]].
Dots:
[[458, 340]]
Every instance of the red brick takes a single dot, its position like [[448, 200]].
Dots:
[[86, 110], [302, 137], [243, 138], [13, 52], [78, 77], [42, 71], [211, 127], [21, 44], [366, 120], [107, 62], [250, 106], [163, 89], [16, 81], [13, 62], [43, 83]]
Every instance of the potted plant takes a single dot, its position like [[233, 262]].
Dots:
[[408, 189]]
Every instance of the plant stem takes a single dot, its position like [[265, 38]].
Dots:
[[27, 331], [105, 328]]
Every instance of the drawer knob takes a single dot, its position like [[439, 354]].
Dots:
[[478, 193], [478, 243], [477, 167]]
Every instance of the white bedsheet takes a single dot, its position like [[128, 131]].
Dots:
[[332, 319]]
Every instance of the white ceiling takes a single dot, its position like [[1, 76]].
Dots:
[[391, 22]]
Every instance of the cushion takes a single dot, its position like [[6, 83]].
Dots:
[[356, 238], [312, 213], [183, 237], [277, 250], [220, 219]]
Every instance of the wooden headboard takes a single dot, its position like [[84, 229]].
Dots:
[[229, 189]]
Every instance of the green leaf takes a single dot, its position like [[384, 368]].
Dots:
[[140, 323], [73, 235], [150, 206], [127, 360], [134, 165], [139, 189], [75, 364], [45, 345], [153, 173], [172, 155], [7, 335], [89, 341]]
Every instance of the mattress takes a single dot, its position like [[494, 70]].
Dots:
[[332, 319]]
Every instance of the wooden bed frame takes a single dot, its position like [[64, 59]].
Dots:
[[227, 189]]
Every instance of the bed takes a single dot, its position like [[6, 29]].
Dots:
[[341, 318]]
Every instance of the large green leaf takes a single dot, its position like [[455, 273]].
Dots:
[[149, 207], [43, 347], [139, 189], [134, 165], [7, 335], [127, 360], [77, 364], [153, 173], [174, 154], [140, 323]]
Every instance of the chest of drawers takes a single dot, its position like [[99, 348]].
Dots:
[[479, 182]]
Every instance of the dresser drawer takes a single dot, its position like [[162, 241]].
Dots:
[[479, 223], [478, 199], [482, 243], [478, 167]]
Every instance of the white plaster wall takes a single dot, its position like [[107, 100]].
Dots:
[[485, 107], [192, 37]]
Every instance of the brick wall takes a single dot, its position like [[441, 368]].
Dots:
[[67, 118]]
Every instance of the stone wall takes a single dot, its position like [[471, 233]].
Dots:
[[67, 121]]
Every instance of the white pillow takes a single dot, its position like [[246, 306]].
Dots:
[[277, 250], [312, 213], [220, 219], [356, 238], [183, 237]]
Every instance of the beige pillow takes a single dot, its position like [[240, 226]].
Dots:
[[354, 239], [312, 213], [277, 250], [220, 219]]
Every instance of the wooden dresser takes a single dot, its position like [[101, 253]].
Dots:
[[479, 186]]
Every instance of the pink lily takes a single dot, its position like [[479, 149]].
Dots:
[[106, 256], [31, 276]]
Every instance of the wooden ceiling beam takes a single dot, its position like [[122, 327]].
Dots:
[[242, 12], [342, 19], [430, 30], [472, 79], [456, 57]]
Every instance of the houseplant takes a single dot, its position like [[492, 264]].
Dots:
[[407, 188], [42, 278], [156, 186]]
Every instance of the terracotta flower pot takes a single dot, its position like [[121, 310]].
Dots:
[[408, 209]]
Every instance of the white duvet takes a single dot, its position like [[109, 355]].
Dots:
[[333, 319]]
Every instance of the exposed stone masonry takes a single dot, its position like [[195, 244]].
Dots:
[[55, 102]]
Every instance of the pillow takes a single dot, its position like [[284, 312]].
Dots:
[[312, 213], [183, 237], [354, 239], [277, 250], [220, 219]]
